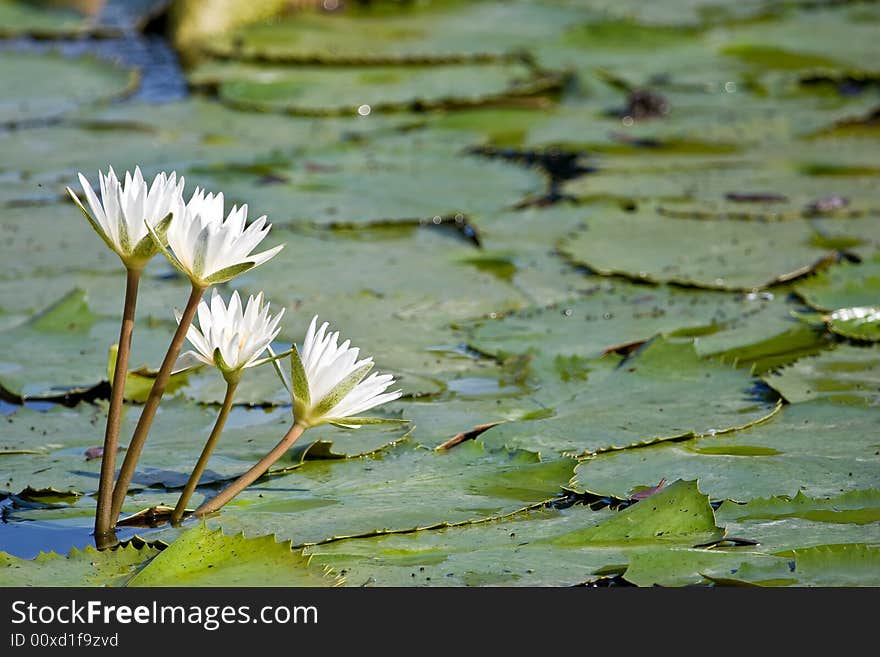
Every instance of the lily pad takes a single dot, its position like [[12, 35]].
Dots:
[[845, 285], [822, 565], [64, 349], [860, 507], [40, 87], [720, 254], [860, 323], [319, 91], [671, 394], [362, 185], [332, 499], [786, 523], [767, 339], [540, 548], [86, 567], [609, 314], [203, 557], [819, 448], [19, 18], [845, 375], [386, 32]]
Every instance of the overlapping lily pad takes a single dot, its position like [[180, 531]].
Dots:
[[787, 523], [537, 549], [720, 254], [403, 179], [611, 313], [767, 339], [343, 91], [846, 374], [202, 557], [41, 87], [64, 349], [325, 499], [815, 447], [846, 285], [18, 18], [660, 393], [853, 564], [87, 567], [385, 32]]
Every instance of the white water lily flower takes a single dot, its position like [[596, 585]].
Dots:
[[328, 384], [124, 211], [232, 337], [209, 249]]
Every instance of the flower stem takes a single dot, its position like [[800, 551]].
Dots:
[[103, 517], [139, 437], [193, 481], [253, 474]]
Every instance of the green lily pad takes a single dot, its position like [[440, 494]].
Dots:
[[845, 285], [859, 235], [320, 91], [860, 507], [64, 349], [204, 557], [720, 254], [860, 323], [610, 313], [786, 523], [822, 565], [540, 548], [671, 393], [357, 186], [331, 499], [87, 567], [19, 18], [167, 137], [819, 448], [845, 375], [764, 340], [383, 33], [41, 87]]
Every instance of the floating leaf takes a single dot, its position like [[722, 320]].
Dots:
[[720, 254], [860, 323], [322, 91], [845, 285], [204, 557], [40, 87], [327, 499], [670, 393], [822, 565], [845, 374], [819, 448], [86, 567]]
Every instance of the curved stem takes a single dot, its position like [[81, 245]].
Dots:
[[253, 474], [202, 463], [139, 437], [103, 517]]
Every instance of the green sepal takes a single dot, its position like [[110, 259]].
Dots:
[[157, 240], [228, 273], [221, 363], [274, 358], [95, 225], [279, 371], [299, 383], [332, 398], [146, 248]]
